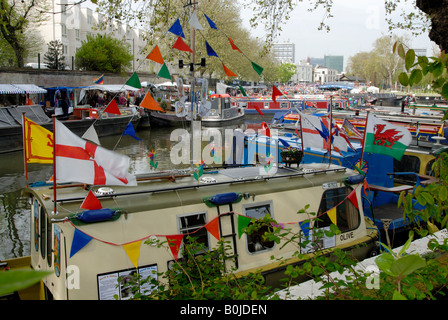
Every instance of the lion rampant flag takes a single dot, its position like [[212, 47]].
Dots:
[[38, 143], [385, 138]]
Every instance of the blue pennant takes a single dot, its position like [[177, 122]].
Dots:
[[211, 23], [210, 51], [80, 240], [130, 131], [176, 28]]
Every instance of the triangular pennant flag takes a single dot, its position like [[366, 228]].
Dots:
[[174, 242], [181, 45], [228, 72], [210, 50], [258, 110], [194, 22], [305, 227], [353, 199], [91, 135], [91, 202], [234, 47], [243, 222], [155, 55], [332, 215], [164, 72], [257, 68], [176, 28], [275, 93], [134, 81], [213, 228], [133, 251], [242, 91], [149, 103], [130, 131], [112, 107], [211, 23], [80, 240]]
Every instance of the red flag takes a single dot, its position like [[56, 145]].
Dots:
[[258, 110], [266, 129], [155, 55], [213, 227], [353, 199], [275, 93], [234, 47], [91, 202], [228, 72], [174, 241], [112, 107], [181, 45]]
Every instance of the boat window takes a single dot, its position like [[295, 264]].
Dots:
[[266, 105], [57, 250], [43, 234], [49, 242], [36, 224], [429, 171], [407, 164], [192, 225], [255, 242], [347, 216]]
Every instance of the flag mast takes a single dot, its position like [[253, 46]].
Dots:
[[25, 155], [331, 129], [54, 164], [364, 139]]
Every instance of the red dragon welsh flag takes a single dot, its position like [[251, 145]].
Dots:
[[80, 161], [386, 138]]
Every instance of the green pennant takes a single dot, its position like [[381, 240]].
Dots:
[[243, 222], [257, 68], [134, 81], [164, 72], [242, 91]]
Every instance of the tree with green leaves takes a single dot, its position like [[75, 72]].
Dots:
[[103, 53], [54, 57], [16, 17], [286, 71]]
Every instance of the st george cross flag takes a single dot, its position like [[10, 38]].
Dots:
[[385, 138], [80, 161]]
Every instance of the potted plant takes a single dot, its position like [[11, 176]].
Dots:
[[291, 155]]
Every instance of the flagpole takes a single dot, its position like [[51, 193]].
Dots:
[[301, 138], [54, 163], [25, 156], [364, 139], [331, 129]]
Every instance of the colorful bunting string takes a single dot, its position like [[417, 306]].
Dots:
[[176, 29], [112, 107], [181, 45], [156, 56]]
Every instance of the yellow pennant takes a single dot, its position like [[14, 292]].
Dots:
[[133, 251], [332, 215]]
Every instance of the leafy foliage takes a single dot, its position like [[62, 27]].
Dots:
[[103, 53]]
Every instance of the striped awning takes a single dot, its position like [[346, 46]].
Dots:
[[20, 89]]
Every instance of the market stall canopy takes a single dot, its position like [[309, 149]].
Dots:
[[20, 89], [337, 86], [112, 87]]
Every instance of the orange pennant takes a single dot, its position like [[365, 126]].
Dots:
[[112, 107], [213, 228], [228, 72], [149, 103], [234, 47], [155, 55]]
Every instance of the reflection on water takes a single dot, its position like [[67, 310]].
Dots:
[[14, 217]]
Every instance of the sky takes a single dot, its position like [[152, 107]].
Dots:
[[355, 26]]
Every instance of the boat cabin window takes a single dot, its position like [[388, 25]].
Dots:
[[43, 235], [36, 224], [429, 171], [407, 164], [266, 105], [49, 241], [347, 216], [255, 242], [192, 225]]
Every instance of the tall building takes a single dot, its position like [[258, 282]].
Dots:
[[71, 24], [304, 72], [334, 62], [284, 52]]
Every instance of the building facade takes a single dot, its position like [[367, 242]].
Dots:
[[284, 52], [334, 62], [324, 75], [304, 72], [71, 24]]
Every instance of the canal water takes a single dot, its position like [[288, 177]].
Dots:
[[14, 207]]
